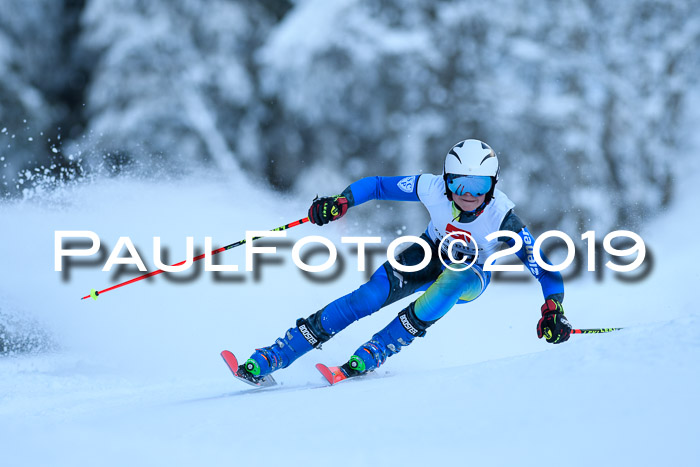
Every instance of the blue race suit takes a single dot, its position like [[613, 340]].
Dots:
[[443, 287]]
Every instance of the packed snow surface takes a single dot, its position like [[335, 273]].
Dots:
[[135, 378]]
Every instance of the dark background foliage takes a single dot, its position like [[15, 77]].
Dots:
[[589, 104]]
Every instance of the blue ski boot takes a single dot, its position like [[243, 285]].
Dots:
[[400, 332], [307, 334]]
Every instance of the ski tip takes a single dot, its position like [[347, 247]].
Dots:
[[230, 360], [332, 374], [325, 372]]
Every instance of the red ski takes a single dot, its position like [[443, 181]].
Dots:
[[239, 373], [336, 374], [333, 374]]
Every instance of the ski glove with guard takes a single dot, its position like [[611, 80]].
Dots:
[[324, 210], [553, 325]]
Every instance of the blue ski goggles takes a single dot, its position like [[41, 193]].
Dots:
[[477, 185]]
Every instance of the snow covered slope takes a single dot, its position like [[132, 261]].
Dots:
[[137, 380]]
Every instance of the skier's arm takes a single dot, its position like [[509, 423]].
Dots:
[[383, 188], [327, 209], [553, 325], [550, 281]]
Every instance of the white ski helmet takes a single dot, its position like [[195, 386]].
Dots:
[[471, 157]]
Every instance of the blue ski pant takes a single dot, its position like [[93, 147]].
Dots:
[[443, 289]]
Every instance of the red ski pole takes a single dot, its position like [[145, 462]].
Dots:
[[94, 293], [593, 331]]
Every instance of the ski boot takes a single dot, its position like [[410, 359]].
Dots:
[[400, 332], [240, 372], [372, 354], [308, 334]]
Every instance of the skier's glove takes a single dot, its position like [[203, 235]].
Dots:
[[324, 210], [553, 325]]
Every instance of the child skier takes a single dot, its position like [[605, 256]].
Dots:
[[463, 204]]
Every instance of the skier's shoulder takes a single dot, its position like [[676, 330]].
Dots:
[[499, 208], [430, 188], [501, 202], [504, 208]]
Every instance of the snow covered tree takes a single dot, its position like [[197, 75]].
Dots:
[[172, 83], [25, 45], [580, 98], [40, 93], [587, 102]]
